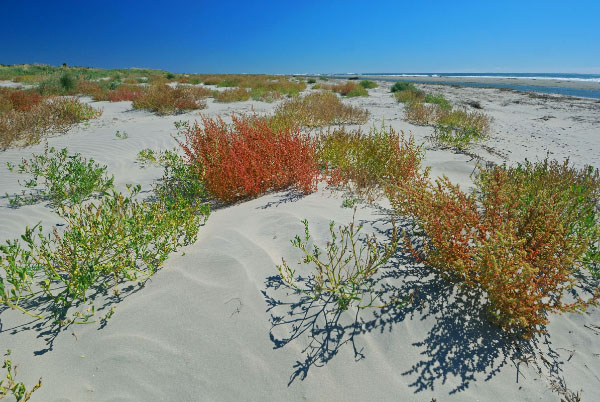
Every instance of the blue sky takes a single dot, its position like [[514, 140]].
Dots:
[[284, 36]]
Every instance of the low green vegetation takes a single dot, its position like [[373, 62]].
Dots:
[[344, 268], [368, 84], [403, 86], [454, 127], [102, 244], [232, 95], [438, 99], [59, 177], [10, 386]]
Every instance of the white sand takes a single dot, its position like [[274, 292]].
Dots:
[[206, 327]]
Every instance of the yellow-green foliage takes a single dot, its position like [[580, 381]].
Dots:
[[316, 110], [163, 99], [364, 164], [232, 95]]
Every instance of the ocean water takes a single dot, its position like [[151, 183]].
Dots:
[[553, 80]]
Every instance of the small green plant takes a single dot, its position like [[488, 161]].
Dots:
[[349, 202], [102, 245], [121, 135], [59, 177], [323, 78], [368, 84], [311, 81], [345, 269], [9, 385]]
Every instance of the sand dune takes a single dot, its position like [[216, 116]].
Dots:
[[216, 324]]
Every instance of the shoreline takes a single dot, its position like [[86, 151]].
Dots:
[[562, 86]]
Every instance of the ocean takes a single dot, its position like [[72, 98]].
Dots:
[[553, 86]]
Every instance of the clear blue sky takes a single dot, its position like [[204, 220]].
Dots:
[[284, 36]]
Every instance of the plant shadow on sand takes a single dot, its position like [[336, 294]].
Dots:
[[48, 328], [461, 345]]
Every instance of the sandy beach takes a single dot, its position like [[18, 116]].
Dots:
[[216, 324]]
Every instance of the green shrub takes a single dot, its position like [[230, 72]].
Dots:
[[179, 180], [409, 95], [403, 86], [323, 78], [232, 82], [438, 100], [311, 81], [62, 177], [460, 127], [265, 95], [344, 268], [357, 91], [368, 84], [103, 244]]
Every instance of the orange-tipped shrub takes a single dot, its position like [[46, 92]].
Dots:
[[247, 158], [93, 89], [162, 99], [316, 110], [521, 237], [125, 93], [19, 100]]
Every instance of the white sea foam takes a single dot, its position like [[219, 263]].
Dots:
[[527, 78]]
